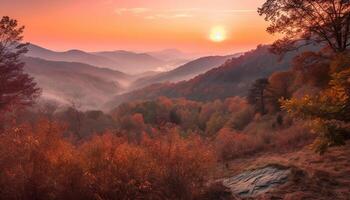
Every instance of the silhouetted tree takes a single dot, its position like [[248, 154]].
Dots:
[[16, 87], [257, 95], [305, 22]]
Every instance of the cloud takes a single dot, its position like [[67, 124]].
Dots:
[[238, 11], [181, 16], [148, 13], [140, 10], [168, 16]]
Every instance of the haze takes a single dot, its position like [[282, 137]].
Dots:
[[140, 25]]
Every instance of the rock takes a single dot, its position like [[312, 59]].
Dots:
[[257, 181]]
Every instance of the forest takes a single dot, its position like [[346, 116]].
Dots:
[[176, 140]]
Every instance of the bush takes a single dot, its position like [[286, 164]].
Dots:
[[38, 163], [329, 110], [230, 145], [241, 119], [293, 137]]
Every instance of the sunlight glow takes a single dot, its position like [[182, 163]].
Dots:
[[217, 34]]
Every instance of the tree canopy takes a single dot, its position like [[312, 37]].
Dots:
[[304, 22], [329, 110]]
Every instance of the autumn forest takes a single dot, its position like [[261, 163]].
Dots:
[[267, 123]]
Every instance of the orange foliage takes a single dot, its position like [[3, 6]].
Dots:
[[38, 163], [230, 145]]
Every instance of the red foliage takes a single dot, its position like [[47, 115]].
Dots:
[[38, 163]]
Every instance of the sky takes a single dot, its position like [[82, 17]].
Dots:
[[201, 26]]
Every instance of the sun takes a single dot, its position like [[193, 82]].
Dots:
[[217, 34]]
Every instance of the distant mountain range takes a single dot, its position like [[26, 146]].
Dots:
[[78, 76], [169, 54], [125, 61], [233, 78], [184, 72], [67, 82], [131, 62]]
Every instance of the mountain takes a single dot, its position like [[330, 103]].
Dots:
[[168, 54], [184, 72], [173, 57], [125, 61], [63, 82], [70, 56], [233, 78], [133, 62]]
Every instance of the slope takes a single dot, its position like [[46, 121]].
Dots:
[[233, 78], [70, 81]]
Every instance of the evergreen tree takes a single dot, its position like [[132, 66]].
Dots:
[[257, 95], [16, 87]]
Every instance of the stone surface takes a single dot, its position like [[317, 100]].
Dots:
[[257, 181]]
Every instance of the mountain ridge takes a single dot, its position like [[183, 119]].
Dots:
[[233, 78], [72, 81]]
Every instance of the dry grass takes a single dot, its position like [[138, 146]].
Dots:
[[314, 176], [232, 145]]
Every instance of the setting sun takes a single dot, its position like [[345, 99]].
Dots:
[[217, 34]]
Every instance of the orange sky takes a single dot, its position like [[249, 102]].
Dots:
[[140, 25]]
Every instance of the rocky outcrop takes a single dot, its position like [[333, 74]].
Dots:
[[258, 181]]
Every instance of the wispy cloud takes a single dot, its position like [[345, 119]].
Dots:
[[238, 11], [140, 10], [168, 16], [148, 13]]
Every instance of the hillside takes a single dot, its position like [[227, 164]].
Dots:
[[233, 78], [72, 81], [132, 62], [183, 72], [70, 56], [125, 61], [168, 54]]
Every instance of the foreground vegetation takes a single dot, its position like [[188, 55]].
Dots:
[[170, 148], [38, 163]]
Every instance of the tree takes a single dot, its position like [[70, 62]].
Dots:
[[329, 111], [257, 94], [304, 22], [16, 87], [312, 68]]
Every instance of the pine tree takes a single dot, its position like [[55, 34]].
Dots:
[[16, 87], [257, 95]]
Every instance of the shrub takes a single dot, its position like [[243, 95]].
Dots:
[[38, 163], [293, 137], [329, 111], [230, 145], [241, 119]]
